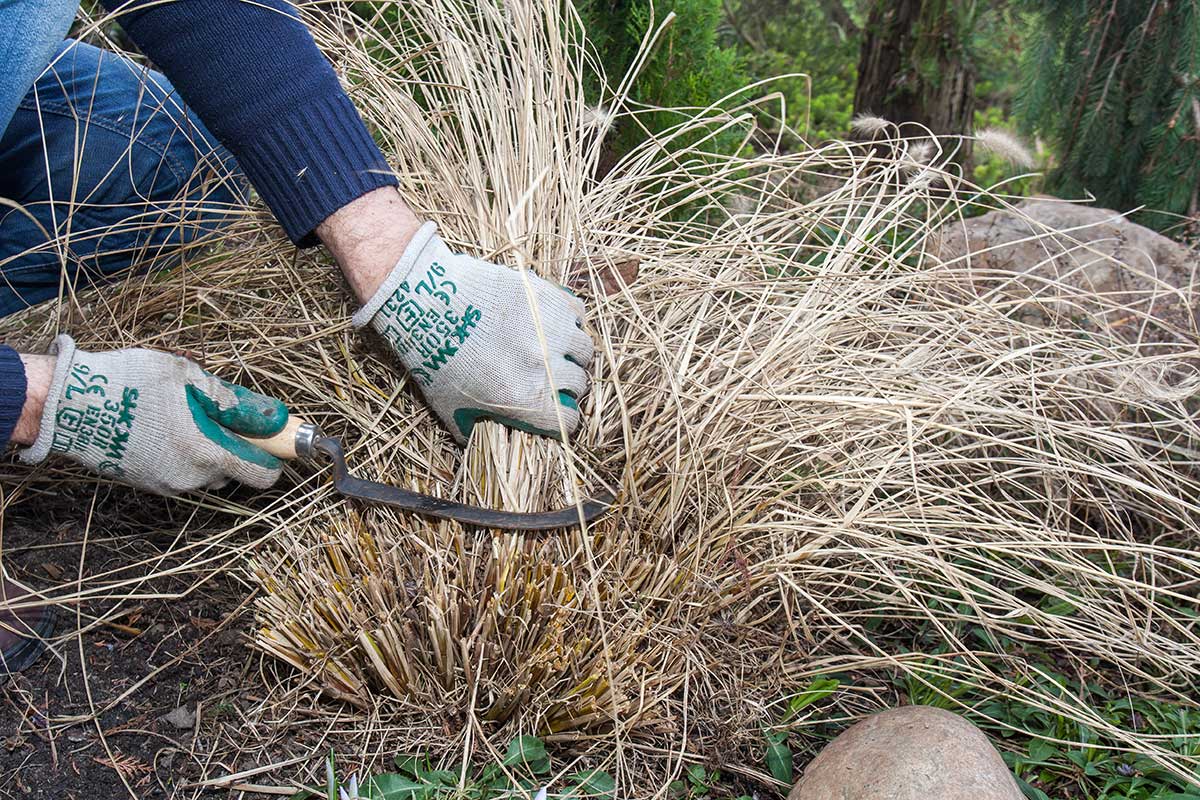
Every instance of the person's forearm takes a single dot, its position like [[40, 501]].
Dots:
[[253, 74], [367, 237], [39, 374]]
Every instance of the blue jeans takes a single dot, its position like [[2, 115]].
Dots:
[[112, 173]]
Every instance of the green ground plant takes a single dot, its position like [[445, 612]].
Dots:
[[700, 783], [525, 771], [1061, 757], [1054, 755]]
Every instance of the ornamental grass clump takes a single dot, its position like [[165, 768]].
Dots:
[[502, 629], [834, 452]]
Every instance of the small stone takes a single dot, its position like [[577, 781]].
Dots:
[[180, 718], [908, 753]]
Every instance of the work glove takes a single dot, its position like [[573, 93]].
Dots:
[[155, 421], [465, 331]]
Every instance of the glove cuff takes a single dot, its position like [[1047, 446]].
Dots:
[[412, 254], [64, 347]]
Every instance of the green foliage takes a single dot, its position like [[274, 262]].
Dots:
[[691, 65], [817, 690], [1115, 85], [794, 37], [1053, 755], [1061, 755], [997, 44], [698, 783], [779, 756], [524, 770], [1051, 751], [822, 41], [527, 751], [821, 112]]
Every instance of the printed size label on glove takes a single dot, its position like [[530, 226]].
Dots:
[[422, 325], [95, 419]]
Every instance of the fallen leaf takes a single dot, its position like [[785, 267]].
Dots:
[[613, 275], [180, 718]]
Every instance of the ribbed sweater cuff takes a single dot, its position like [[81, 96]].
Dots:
[[12, 392], [313, 161]]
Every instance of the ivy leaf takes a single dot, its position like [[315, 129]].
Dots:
[[491, 774], [527, 750], [440, 777]]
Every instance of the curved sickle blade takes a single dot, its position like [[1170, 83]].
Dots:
[[394, 496]]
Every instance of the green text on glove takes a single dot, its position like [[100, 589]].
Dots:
[[101, 427], [421, 322]]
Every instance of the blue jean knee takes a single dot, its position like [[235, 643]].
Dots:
[[106, 172]]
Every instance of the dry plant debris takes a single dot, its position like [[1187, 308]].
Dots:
[[823, 438]]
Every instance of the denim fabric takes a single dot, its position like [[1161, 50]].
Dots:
[[111, 172], [30, 33]]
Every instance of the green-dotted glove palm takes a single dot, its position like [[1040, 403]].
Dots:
[[464, 329], [155, 421]]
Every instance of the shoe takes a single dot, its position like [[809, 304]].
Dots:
[[23, 630]]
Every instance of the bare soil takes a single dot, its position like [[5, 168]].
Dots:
[[135, 702]]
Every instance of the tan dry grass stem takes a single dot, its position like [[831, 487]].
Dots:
[[824, 438]]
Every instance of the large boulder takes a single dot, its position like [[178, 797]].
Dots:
[[1054, 262], [908, 753]]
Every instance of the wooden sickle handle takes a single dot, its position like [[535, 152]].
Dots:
[[293, 441]]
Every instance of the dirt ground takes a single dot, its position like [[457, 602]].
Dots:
[[143, 700]]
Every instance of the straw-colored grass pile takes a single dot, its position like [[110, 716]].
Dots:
[[833, 452]]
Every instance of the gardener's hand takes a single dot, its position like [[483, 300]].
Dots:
[[155, 421], [465, 331]]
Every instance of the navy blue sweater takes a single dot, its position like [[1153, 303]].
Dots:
[[253, 74]]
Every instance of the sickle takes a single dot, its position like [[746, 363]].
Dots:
[[300, 439]]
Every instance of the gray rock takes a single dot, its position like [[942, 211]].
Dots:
[[1062, 263], [908, 753]]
